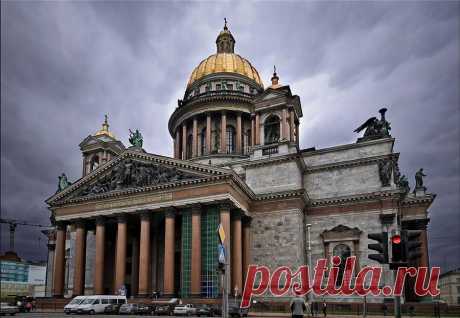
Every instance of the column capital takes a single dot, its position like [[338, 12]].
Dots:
[[225, 206], [237, 216], [80, 223], [61, 225], [196, 208], [100, 220], [145, 215], [170, 212], [121, 219], [247, 220]]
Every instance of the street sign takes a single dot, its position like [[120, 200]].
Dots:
[[221, 254], [221, 233]]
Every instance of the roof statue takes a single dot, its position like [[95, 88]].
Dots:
[[63, 182], [419, 180], [404, 184], [375, 128], [135, 138]]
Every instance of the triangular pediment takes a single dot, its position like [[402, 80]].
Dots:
[[271, 93], [102, 141], [270, 96], [135, 170]]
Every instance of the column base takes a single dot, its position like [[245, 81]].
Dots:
[[198, 295], [168, 296], [142, 295]]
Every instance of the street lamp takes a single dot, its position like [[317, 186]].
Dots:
[[308, 227]]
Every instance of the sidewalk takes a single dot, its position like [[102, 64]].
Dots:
[[276, 315]]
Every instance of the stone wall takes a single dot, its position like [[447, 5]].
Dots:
[[342, 181], [277, 239], [367, 222], [275, 177], [348, 152]]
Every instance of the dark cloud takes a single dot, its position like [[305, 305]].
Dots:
[[65, 64]]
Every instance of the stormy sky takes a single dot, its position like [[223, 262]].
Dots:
[[65, 64]]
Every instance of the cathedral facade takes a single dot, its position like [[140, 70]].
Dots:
[[146, 223]]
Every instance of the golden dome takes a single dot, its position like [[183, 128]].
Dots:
[[105, 129], [227, 63]]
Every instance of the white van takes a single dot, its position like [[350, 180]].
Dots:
[[73, 304], [97, 303]]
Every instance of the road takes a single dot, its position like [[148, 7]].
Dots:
[[56, 315]]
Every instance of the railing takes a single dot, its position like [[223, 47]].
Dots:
[[270, 150], [223, 92]]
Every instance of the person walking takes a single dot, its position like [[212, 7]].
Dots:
[[298, 307], [324, 309]]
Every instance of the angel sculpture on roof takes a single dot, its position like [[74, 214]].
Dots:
[[375, 128], [135, 138]]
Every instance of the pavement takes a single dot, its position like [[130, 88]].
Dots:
[[253, 315]]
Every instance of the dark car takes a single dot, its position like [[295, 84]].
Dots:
[[163, 310], [204, 310], [216, 310], [112, 309], [145, 309], [234, 310], [128, 309]]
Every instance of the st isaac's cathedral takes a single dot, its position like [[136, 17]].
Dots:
[[146, 223]]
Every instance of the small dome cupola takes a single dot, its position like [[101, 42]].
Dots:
[[275, 79], [225, 41]]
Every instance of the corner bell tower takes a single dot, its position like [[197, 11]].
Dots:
[[99, 148]]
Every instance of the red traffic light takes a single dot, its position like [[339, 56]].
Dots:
[[396, 239]]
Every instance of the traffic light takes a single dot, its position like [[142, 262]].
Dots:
[[398, 252], [412, 244], [397, 249], [381, 247]]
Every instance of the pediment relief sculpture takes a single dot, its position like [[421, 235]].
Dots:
[[129, 173]]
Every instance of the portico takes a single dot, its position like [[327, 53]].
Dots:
[[178, 218]]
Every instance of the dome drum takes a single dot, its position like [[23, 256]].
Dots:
[[214, 118], [222, 83]]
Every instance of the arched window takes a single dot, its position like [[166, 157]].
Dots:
[[204, 151], [189, 147], [230, 139], [343, 251], [94, 163], [271, 130], [247, 141]]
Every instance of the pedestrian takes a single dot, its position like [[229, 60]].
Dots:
[[324, 309], [384, 309], [298, 307], [411, 311]]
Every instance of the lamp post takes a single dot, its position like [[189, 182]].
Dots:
[[308, 227]]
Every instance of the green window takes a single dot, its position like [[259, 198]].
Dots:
[[186, 253], [209, 241]]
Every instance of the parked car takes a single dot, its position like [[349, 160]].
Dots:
[[73, 304], [6, 309], [234, 310], [112, 309], [96, 304], [128, 309], [163, 310], [186, 310], [216, 310], [145, 309], [204, 310]]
